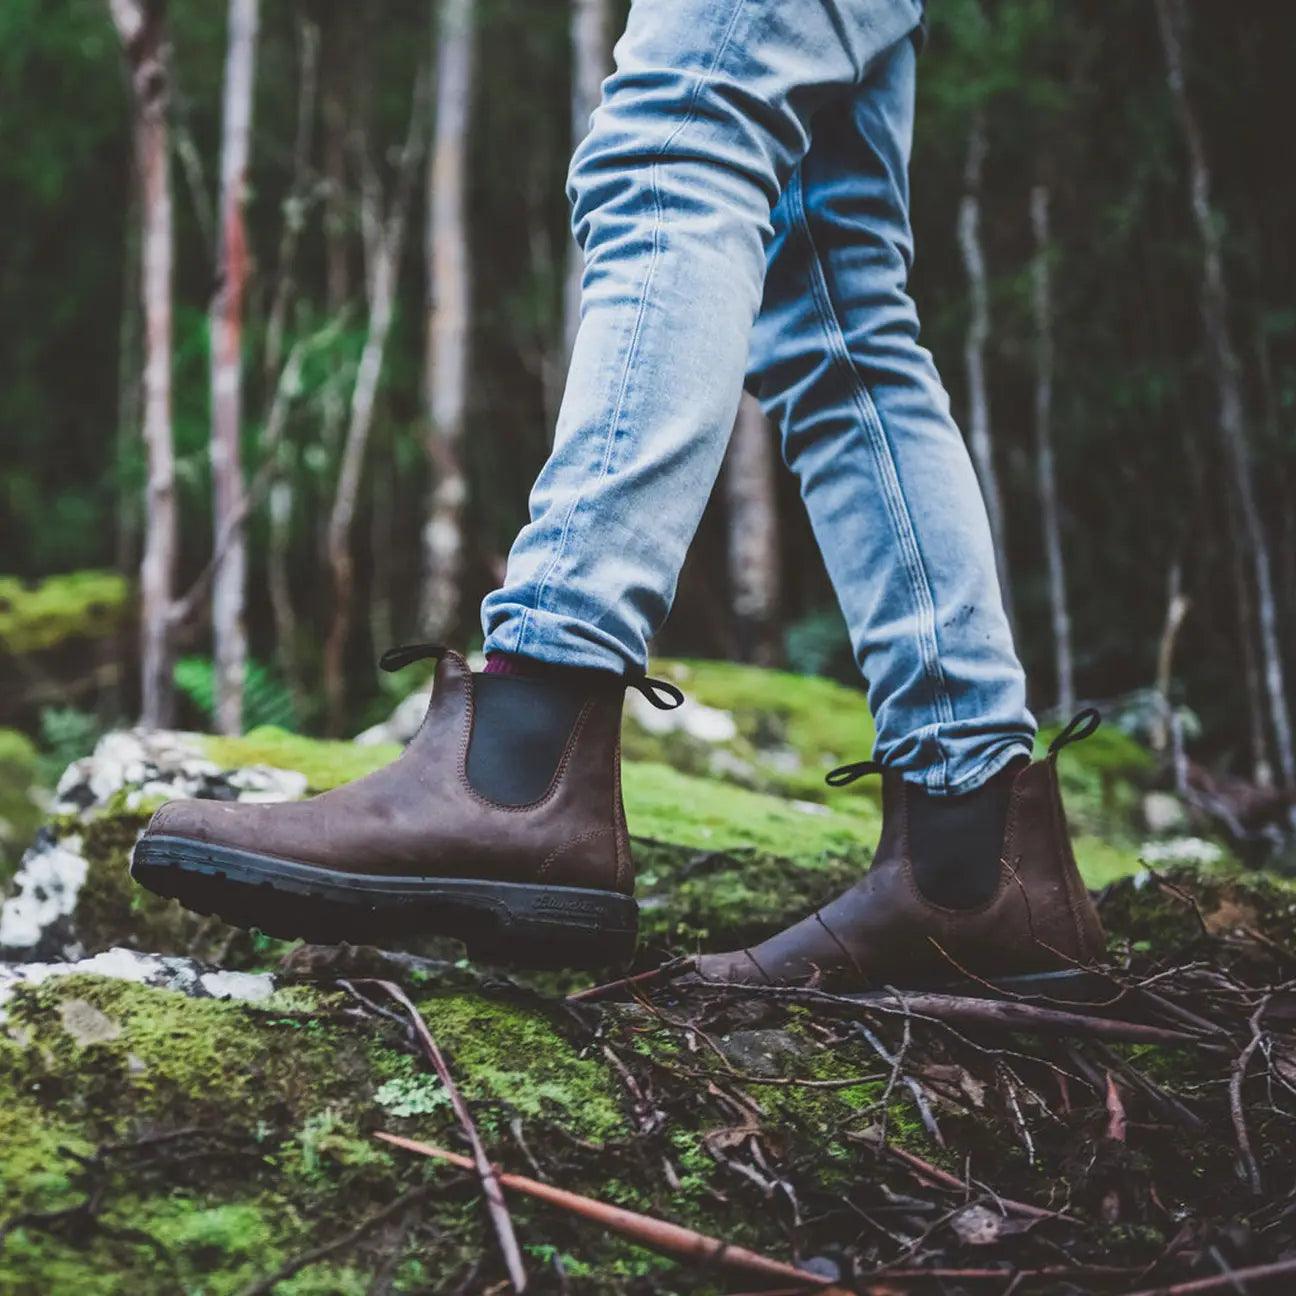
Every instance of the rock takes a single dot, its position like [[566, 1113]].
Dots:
[[71, 894], [1164, 813], [1196, 851], [175, 974], [36, 920], [694, 719], [401, 725]]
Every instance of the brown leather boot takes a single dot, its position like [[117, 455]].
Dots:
[[501, 824], [884, 931]]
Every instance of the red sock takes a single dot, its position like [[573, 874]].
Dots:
[[502, 663]]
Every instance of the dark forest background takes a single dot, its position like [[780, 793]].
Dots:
[[1143, 335]]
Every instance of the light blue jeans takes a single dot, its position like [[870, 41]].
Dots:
[[742, 202]]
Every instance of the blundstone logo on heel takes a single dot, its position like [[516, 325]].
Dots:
[[554, 903]]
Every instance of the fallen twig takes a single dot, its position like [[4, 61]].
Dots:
[[999, 1014], [490, 1181], [1231, 1280], [262, 1286], [1236, 1080], [659, 1235], [945, 1179]]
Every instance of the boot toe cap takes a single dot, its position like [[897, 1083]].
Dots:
[[199, 820]]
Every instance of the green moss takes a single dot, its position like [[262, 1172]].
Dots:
[[705, 814], [325, 763], [791, 730], [20, 813], [514, 1056], [723, 864], [77, 605], [1103, 862]]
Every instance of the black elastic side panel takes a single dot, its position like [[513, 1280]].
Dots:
[[956, 842], [520, 728]]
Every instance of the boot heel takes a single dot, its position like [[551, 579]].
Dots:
[[556, 927]]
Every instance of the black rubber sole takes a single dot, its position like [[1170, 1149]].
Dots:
[[514, 923]]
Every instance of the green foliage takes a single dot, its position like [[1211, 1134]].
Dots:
[[66, 734], [266, 700]]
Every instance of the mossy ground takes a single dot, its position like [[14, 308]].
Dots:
[[219, 1139], [265, 1112]]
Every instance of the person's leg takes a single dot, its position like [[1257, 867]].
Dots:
[[701, 125], [886, 478], [502, 823], [973, 873]]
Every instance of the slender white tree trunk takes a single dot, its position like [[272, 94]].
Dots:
[[449, 271], [385, 235], [591, 54], [1227, 371], [1046, 474], [143, 33], [750, 485], [980, 441], [226, 330]]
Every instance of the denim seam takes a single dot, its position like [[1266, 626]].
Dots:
[[702, 80], [893, 496]]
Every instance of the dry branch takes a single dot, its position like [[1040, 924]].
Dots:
[[486, 1172], [659, 1235]]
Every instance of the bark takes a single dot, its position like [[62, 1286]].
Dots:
[[279, 584], [337, 253], [385, 233], [287, 383], [591, 54], [1227, 376], [226, 330], [299, 199], [751, 495], [1046, 473], [129, 365], [980, 440], [449, 271], [1261, 769], [1165, 732], [143, 32]]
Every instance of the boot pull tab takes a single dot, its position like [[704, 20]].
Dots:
[[660, 693], [846, 774], [395, 659], [1082, 726]]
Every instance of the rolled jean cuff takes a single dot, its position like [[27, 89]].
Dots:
[[958, 774], [558, 640]]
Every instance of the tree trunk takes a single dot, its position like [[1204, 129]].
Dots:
[[336, 94], [974, 349], [142, 28], [129, 368], [298, 202], [591, 55], [449, 271], [1165, 740], [750, 487], [1261, 769], [1046, 475], [386, 234], [226, 330], [1226, 371]]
